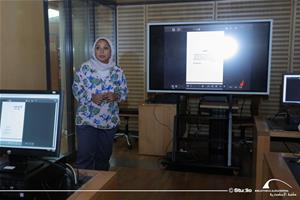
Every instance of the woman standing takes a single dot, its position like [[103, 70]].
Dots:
[[99, 86]]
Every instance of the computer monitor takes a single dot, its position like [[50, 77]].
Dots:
[[290, 89], [291, 100], [30, 124]]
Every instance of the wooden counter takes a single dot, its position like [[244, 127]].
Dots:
[[98, 180], [275, 167], [262, 140], [145, 184]]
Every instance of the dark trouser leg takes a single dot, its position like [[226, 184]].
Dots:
[[104, 148], [86, 144]]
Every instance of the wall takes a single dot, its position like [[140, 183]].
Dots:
[[22, 45]]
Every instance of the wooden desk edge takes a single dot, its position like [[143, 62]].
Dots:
[[261, 126], [280, 170], [98, 180], [287, 134]]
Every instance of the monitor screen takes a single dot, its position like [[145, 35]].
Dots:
[[219, 57], [30, 122], [290, 89]]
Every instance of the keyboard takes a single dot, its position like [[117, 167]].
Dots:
[[281, 125], [291, 127]]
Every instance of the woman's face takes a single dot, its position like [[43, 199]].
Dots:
[[103, 51]]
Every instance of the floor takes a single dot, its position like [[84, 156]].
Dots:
[[125, 157], [133, 167], [144, 172]]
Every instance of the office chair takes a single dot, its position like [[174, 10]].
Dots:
[[126, 113], [246, 123]]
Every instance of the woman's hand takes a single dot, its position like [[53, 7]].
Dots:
[[97, 98], [112, 96], [108, 96]]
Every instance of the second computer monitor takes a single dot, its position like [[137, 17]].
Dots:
[[290, 89]]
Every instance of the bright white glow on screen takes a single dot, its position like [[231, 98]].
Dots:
[[53, 13], [204, 62], [231, 46]]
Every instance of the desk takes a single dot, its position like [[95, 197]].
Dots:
[[98, 180], [276, 167], [262, 139], [46, 178], [143, 179]]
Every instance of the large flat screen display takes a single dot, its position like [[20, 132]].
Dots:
[[232, 57]]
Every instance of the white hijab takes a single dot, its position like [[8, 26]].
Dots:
[[97, 64]]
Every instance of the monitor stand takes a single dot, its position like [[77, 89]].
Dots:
[[20, 165]]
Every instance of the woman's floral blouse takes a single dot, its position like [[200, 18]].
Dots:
[[87, 81]]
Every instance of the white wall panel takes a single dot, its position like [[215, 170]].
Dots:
[[281, 13], [105, 22], [131, 50], [296, 42]]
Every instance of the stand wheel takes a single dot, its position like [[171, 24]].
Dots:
[[236, 172]]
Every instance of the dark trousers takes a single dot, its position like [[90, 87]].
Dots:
[[94, 147]]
